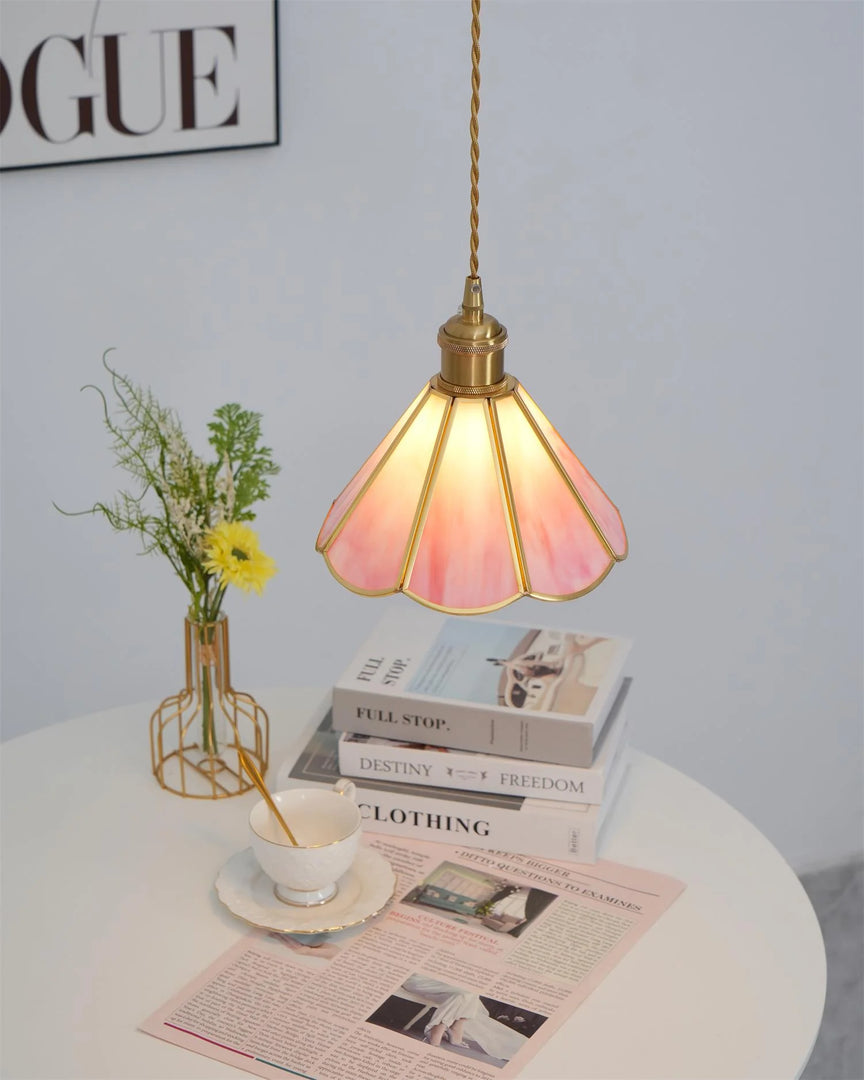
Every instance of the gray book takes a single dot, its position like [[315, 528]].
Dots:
[[539, 694]]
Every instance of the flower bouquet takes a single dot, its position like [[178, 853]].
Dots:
[[195, 513]]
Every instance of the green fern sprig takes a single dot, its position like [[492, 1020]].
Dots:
[[177, 496]]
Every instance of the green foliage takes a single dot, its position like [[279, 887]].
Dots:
[[234, 435], [176, 496]]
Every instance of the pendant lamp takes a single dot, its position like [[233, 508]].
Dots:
[[473, 499]]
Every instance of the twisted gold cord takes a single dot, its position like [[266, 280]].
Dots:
[[474, 129]]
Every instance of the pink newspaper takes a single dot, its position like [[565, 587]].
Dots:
[[478, 961]]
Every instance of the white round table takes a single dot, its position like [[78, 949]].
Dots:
[[108, 909]]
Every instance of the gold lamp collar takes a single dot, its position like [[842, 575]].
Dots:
[[472, 346]]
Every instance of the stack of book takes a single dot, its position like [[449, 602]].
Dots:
[[479, 733]]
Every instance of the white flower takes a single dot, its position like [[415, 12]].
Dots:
[[225, 492]]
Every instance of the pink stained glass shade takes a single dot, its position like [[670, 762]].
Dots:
[[465, 554], [469, 503], [563, 554], [343, 501], [369, 551], [603, 511]]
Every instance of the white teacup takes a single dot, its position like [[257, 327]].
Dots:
[[326, 825]]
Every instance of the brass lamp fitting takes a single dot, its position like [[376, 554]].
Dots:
[[472, 345]]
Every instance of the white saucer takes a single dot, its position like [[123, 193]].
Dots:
[[363, 892]]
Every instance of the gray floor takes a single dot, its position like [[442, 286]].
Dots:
[[838, 899]]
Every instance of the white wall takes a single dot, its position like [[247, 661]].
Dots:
[[671, 231]]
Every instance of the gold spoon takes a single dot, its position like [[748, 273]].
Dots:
[[258, 780]]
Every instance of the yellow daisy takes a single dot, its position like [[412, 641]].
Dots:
[[231, 551]]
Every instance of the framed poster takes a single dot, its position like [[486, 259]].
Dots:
[[95, 80]]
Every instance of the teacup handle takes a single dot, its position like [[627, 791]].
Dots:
[[346, 788]]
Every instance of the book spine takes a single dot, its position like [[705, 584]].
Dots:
[[463, 726], [472, 771], [568, 835]]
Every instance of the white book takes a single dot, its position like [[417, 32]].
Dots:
[[365, 756], [542, 827], [538, 694]]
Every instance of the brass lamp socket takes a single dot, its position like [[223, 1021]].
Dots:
[[472, 344]]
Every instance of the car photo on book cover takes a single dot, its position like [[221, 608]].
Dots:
[[477, 898], [540, 670], [459, 1020]]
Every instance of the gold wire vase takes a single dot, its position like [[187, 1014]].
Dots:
[[195, 734]]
